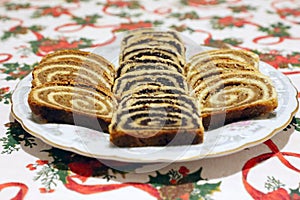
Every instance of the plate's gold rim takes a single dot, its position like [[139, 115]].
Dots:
[[134, 160]]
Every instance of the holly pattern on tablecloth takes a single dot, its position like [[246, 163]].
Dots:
[[18, 30], [178, 183], [16, 135], [182, 184], [5, 95], [295, 123], [63, 165], [16, 70]]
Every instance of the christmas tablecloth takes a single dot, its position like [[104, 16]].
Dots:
[[32, 169]]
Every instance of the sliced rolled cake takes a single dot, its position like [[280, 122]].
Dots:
[[155, 107], [242, 56], [71, 70], [131, 80], [164, 44], [83, 57], [152, 32], [72, 103], [200, 71], [161, 51], [230, 90], [153, 37], [147, 63], [146, 93], [239, 96], [144, 119]]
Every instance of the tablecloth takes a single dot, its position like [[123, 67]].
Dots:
[[32, 169]]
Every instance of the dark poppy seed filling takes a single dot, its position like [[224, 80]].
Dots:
[[139, 65], [133, 79], [166, 54], [154, 100], [156, 43], [150, 33]]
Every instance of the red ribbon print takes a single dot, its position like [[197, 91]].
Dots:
[[21, 193], [258, 40], [5, 57], [92, 189], [285, 11], [280, 193]]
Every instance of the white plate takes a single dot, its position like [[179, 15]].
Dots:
[[225, 140]]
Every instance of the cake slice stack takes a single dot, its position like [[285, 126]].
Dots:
[[74, 87], [166, 45], [229, 86], [156, 116], [74, 65], [155, 107], [243, 56]]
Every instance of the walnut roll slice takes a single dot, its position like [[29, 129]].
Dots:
[[82, 57], [72, 103], [243, 56], [71, 70], [234, 96]]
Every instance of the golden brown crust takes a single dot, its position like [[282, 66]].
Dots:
[[219, 118], [60, 107], [73, 87], [231, 90], [156, 116], [237, 55], [71, 70], [162, 138], [152, 113], [79, 56]]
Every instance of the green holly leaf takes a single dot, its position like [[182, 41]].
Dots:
[[296, 123], [175, 15], [276, 30], [183, 16], [9, 144], [14, 6], [295, 193], [192, 178], [159, 179], [242, 8], [9, 67], [89, 19], [232, 41], [35, 45], [35, 28], [203, 191], [14, 136], [62, 174], [61, 158], [5, 95], [6, 35], [157, 22], [16, 70], [134, 5], [86, 43]]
